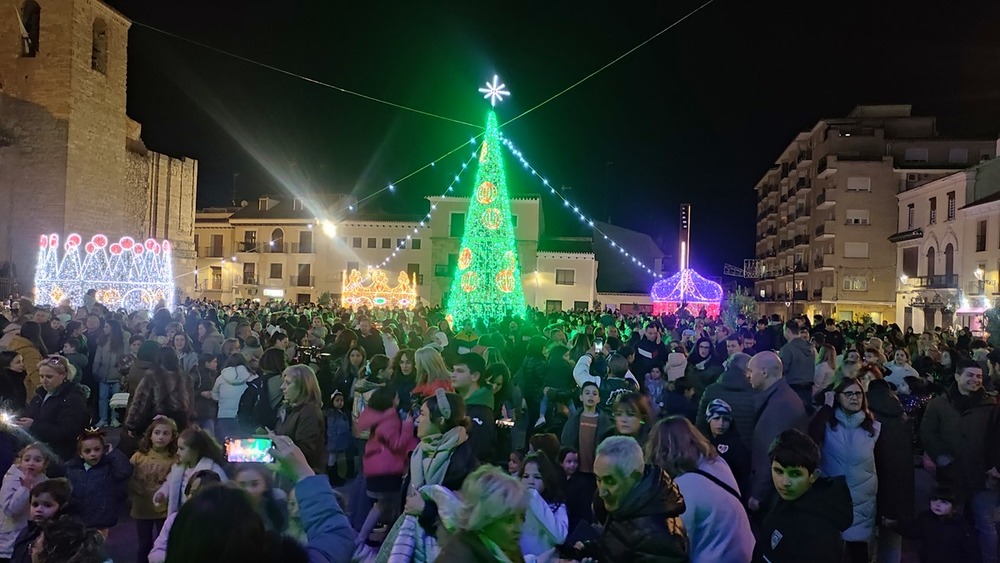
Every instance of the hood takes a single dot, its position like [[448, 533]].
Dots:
[[830, 499], [236, 375], [482, 396], [655, 495], [882, 401], [734, 379]]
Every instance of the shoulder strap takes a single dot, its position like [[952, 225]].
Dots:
[[719, 482]]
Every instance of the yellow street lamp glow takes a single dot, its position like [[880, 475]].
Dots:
[[329, 229]]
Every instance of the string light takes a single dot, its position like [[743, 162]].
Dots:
[[576, 209]]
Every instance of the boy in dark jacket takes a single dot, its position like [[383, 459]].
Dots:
[[944, 536], [49, 501], [723, 435], [806, 522], [468, 378], [98, 477], [71, 351]]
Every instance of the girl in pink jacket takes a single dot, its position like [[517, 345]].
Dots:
[[386, 454]]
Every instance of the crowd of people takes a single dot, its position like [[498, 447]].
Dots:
[[569, 436]]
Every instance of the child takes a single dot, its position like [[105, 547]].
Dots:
[[196, 450], [270, 501], [514, 461], [655, 388], [198, 481], [723, 436], [679, 400], [151, 464], [545, 521], [944, 536], [49, 500], [579, 488], [389, 443], [98, 477], [338, 439], [585, 429], [812, 511], [27, 471], [71, 351], [227, 391]]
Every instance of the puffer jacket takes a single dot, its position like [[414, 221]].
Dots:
[[798, 361], [229, 388], [960, 427], [105, 361], [389, 443], [14, 508], [734, 388], [59, 417], [848, 450], [647, 526]]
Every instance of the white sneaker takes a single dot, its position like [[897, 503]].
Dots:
[[540, 421]]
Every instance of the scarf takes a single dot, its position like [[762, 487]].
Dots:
[[494, 549], [852, 420], [430, 461]]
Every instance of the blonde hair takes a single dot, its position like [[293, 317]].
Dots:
[[304, 386], [430, 366], [489, 495]]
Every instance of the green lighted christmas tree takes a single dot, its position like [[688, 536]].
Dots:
[[487, 284]]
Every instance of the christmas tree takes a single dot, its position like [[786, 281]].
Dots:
[[487, 284]]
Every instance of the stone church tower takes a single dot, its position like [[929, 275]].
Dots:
[[70, 158]]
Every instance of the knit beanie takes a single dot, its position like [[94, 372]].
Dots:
[[718, 409]]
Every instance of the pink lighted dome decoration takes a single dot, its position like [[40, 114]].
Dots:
[[689, 289]]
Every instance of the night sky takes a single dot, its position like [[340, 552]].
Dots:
[[696, 115]]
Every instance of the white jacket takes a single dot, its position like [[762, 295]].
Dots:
[[178, 479], [229, 388], [14, 503], [544, 528], [716, 523]]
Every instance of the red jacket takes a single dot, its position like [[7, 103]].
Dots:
[[389, 444]]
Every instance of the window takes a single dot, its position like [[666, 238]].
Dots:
[[386, 242], [296, 204], [855, 283], [958, 156], [31, 21], [277, 240], [343, 240], [457, 226], [931, 261], [855, 250], [306, 242], [351, 266], [356, 242], [99, 46], [513, 220], [857, 216], [452, 265], [565, 277], [981, 236], [304, 277], [580, 306], [249, 241], [216, 250], [951, 205], [415, 244], [262, 204], [414, 270], [401, 243], [553, 306], [932, 219], [909, 216], [371, 242], [859, 184], [910, 261], [275, 273], [915, 155], [216, 278], [249, 273]]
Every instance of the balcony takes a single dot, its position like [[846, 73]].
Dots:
[[976, 287], [826, 199], [272, 247], [826, 230], [210, 252], [784, 198], [829, 294], [826, 166], [804, 158], [772, 210], [302, 281], [801, 240], [248, 280], [802, 214], [946, 281], [817, 293], [799, 295], [823, 262], [803, 185], [786, 244], [761, 216]]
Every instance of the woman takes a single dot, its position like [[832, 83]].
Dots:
[[186, 356], [302, 418], [209, 338], [489, 520], [826, 365], [631, 415], [272, 364], [900, 369], [846, 432], [349, 371], [162, 390], [28, 344], [227, 391], [110, 350], [203, 378], [443, 457], [715, 520], [531, 377], [581, 345], [12, 393], [432, 373], [403, 378], [703, 367], [67, 539], [559, 390], [58, 412]]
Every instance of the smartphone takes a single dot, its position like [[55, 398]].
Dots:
[[253, 450], [598, 344]]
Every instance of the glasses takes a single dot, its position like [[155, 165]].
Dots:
[[852, 394]]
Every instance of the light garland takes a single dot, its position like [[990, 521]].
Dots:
[[576, 210], [378, 294], [686, 288], [126, 274]]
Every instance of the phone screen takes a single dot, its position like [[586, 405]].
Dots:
[[598, 344], [254, 450]]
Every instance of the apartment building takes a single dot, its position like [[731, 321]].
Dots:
[[828, 206], [298, 249]]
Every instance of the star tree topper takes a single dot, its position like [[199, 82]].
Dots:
[[494, 92]]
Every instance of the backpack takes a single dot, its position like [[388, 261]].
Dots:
[[254, 411]]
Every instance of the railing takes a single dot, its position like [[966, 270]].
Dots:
[[946, 281], [801, 239], [249, 280], [269, 247], [210, 252], [302, 281], [817, 294], [820, 230], [300, 248], [786, 244], [821, 165], [976, 287], [799, 295]]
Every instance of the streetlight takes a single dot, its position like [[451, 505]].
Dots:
[[979, 273], [904, 278], [329, 229]]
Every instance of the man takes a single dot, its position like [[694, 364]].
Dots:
[[734, 388], [465, 378], [960, 436], [369, 339], [833, 336], [778, 409], [722, 334], [650, 350], [807, 522], [798, 360], [50, 336], [749, 342], [643, 506], [734, 345]]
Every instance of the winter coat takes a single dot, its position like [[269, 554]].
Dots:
[[362, 391], [98, 492], [338, 431], [532, 377], [187, 360], [372, 343], [822, 377], [714, 519], [150, 472], [105, 362], [778, 409], [79, 361], [135, 375], [204, 407], [143, 401], [893, 454], [32, 357], [13, 396], [646, 527], [943, 539], [305, 425], [178, 479], [899, 372], [25, 539], [483, 430], [610, 389], [798, 362], [59, 419], [545, 527], [848, 450], [734, 388], [807, 529], [648, 354], [571, 431], [14, 505], [703, 374], [959, 427], [737, 457], [229, 388], [389, 442], [464, 547], [212, 343]]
